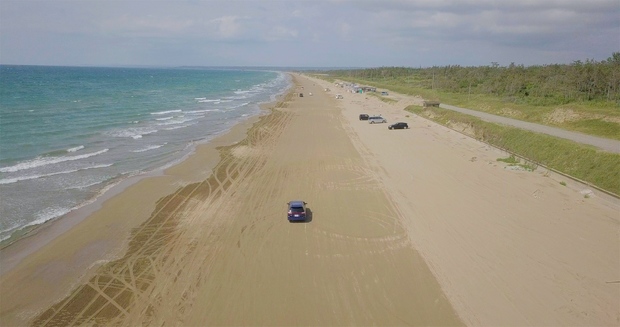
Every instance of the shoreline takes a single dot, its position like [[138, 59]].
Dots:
[[78, 164], [25, 250], [30, 239], [440, 234], [202, 239]]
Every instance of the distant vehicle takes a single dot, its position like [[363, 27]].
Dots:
[[376, 120], [384, 93], [296, 211], [399, 125], [339, 96], [310, 94], [364, 116], [301, 95]]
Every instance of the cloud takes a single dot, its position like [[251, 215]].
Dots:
[[227, 26], [281, 33], [524, 22], [329, 32], [344, 29], [145, 26]]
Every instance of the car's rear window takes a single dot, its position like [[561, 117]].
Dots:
[[297, 209]]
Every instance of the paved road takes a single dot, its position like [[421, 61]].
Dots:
[[599, 142]]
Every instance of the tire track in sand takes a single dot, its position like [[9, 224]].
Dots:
[[125, 291], [222, 253]]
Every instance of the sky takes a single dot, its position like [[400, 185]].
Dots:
[[297, 33]]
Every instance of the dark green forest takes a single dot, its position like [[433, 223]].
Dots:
[[580, 81]]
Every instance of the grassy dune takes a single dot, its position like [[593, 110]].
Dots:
[[598, 118]]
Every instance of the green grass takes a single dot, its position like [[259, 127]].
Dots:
[[509, 160], [594, 118], [596, 127], [380, 97], [513, 161], [580, 161]]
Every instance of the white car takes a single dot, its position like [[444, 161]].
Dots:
[[376, 120], [339, 96]]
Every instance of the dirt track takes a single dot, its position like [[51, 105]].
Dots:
[[409, 227]]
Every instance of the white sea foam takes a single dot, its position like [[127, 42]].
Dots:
[[231, 98], [75, 149], [179, 120], [48, 214], [64, 193], [31, 177], [85, 186], [239, 105], [134, 133], [193, 112], [43, 161], [148, 148], [165, 112], [178, 127], [42, 216]]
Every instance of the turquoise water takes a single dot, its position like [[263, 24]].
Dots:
[[69, 133]]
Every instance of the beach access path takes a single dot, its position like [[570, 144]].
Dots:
[[599, 142], [421, 226]]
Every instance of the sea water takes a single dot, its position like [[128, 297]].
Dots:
[[68, 133]]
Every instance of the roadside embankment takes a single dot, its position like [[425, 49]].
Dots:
[[583, 162]]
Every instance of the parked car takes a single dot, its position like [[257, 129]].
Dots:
[[364, 116], [384, 93], [339, 96], [296, 211], [376, 120], [301, 95], [399, 125]]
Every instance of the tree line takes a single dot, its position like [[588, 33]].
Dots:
[[540, 85]]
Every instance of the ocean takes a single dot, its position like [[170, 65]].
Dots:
[[67, 134]]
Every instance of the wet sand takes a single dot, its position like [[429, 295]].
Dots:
[[407, 227]]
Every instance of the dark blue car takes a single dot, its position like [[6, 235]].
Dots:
[[296, 211]]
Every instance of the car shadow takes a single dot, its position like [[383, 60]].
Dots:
[[308, 217]]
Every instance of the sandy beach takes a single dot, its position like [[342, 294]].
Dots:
[[413, 227]]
